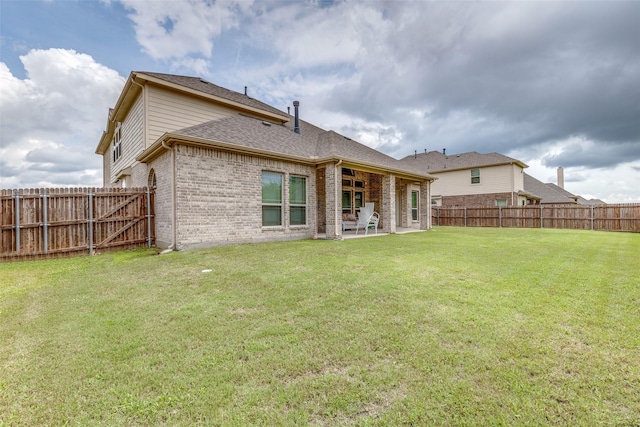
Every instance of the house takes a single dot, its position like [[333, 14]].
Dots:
[[492, 179], [473, 179], [227, 168], [555, 194]]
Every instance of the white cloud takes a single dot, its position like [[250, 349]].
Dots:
[[176, 29], [52, 120]]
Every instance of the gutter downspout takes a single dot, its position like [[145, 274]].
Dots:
[[172, 246], [338, 194]]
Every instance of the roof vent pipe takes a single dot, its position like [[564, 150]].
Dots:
[[444, 151], [245, 91], [296, 104]]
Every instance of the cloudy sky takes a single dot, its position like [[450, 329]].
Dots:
[[549, 83]]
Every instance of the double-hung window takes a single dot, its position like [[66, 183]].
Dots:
[[271, 199], [116, 145], [414, 205], [297, 200], [475, 176]]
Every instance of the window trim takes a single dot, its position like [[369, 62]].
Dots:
[[348, 209], [116, 144], [415, 210], [475, 176], [299, 205], [271, 204]]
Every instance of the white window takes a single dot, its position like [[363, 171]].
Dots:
[[297, 200], [475, 176], [414, 205], [271, 199], [116, 146]]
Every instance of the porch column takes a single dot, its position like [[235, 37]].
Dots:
[[333, 205], [405, 209], [425, 205], [389, 203]]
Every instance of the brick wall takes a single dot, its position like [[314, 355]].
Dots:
[[219, 198], [163, 210], [321, 203]]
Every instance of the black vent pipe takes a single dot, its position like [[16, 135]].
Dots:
[[296, 104]]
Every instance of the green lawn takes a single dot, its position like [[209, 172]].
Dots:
[[456, 326]]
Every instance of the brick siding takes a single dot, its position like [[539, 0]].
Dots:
[[219, 198]]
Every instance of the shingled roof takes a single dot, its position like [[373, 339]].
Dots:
[[548, 193], [435, 161], [312, 144]]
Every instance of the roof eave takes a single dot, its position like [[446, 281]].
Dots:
[[125, 96], [170, 139], [515, 162]]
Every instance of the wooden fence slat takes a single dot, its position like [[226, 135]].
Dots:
[[39, 223], [619, 217]]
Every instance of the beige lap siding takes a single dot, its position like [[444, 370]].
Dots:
[[219, 198], [479, 199]]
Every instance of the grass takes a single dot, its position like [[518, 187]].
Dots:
[[458, 326]]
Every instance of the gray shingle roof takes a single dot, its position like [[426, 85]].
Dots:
[[196, 83], [435, 161], [277, 139], [311, 143], [548, 193]]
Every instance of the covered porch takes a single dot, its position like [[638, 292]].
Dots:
[[401, 201]]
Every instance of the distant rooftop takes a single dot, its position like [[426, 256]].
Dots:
[[436, 161]]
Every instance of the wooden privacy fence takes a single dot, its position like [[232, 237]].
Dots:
[[622, 217], [40, 223]]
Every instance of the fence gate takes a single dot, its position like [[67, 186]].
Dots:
[[38, 223]]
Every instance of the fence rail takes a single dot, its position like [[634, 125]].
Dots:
[[41, 222], [621, 217]]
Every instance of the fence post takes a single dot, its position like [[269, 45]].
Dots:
[[17, 221], [541, 218], [149, 216], [465, 216], [90, 223], [592, 218], [45, 228], [499, 216]]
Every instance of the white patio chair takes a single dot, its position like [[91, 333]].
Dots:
[[367, 218]]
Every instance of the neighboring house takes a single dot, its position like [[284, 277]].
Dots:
[[493, 179], [473, 179], [227, 168], [554, 194]]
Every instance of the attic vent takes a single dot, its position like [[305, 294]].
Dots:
[[204, 81], [266, 123]]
